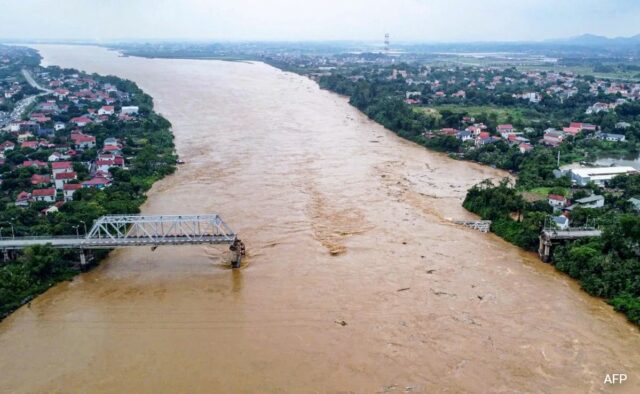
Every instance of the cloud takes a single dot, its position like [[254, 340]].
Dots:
[[405, 20]]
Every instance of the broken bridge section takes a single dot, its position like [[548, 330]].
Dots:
[[481, 225], [551, 237]]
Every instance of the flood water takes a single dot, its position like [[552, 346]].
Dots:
[[343, 221]]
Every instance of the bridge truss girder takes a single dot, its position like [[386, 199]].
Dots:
[[161, 229]]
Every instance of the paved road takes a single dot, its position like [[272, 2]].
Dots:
[[33, 83], [23, 104]]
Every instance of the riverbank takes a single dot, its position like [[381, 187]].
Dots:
[[103, 180], [296, 172]]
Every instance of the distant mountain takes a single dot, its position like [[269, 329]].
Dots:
[[592, 40]]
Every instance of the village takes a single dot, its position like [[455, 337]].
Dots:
[[49, 142]]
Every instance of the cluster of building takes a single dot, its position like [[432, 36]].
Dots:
[[56, 180], [480, 135]]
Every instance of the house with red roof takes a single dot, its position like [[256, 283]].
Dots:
[[46, 195], [449, 131], [81, 121], [97, 183], [106, 163], [23, 198], [59, 167], [68, 189], [83, 141], [7, 145], [30, 144], [107, 110], [583, 126], [505, 128], [40, 180], [572, 130], [557, 201], [553, 138], [63, 178], [524, 147], [113, 149], [34, 164]]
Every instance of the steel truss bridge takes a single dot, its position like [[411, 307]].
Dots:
[[114, 231]]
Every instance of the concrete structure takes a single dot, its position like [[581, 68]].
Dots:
[[598, 175], [549, 237], [481, 225]]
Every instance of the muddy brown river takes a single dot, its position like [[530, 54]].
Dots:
[[343, 221]]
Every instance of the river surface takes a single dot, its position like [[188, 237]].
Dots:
[[343, 221]]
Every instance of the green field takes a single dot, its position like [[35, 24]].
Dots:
[[582, 70], [545, 191], [503, 114]]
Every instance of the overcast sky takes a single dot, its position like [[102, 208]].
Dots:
[[405, 20]]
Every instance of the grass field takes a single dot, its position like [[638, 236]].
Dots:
[[582, 70], [544, 191], [503, 114]]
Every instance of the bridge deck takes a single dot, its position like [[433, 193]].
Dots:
[[106, 243], [137, 230], [571, 234]]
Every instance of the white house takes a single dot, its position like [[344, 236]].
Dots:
[[106, 110], [63, 178], [46, 195], [611, 137], [561, 221], [58, 167], [68, 189], [59, 126], [55, 156], [129, 110], [557, 201]]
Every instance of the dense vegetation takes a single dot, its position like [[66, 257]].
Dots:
[[607, 267], [148, 148]]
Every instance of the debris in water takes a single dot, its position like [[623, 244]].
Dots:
[[404, 289], [341, 322], [439, 293], [431, 271]]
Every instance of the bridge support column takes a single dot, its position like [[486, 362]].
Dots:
[[544, 249], [5, 254], [83, 259], [239, 252]]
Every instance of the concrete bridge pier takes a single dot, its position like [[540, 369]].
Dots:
[[238, 249], [544, 250], [83, 258]]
